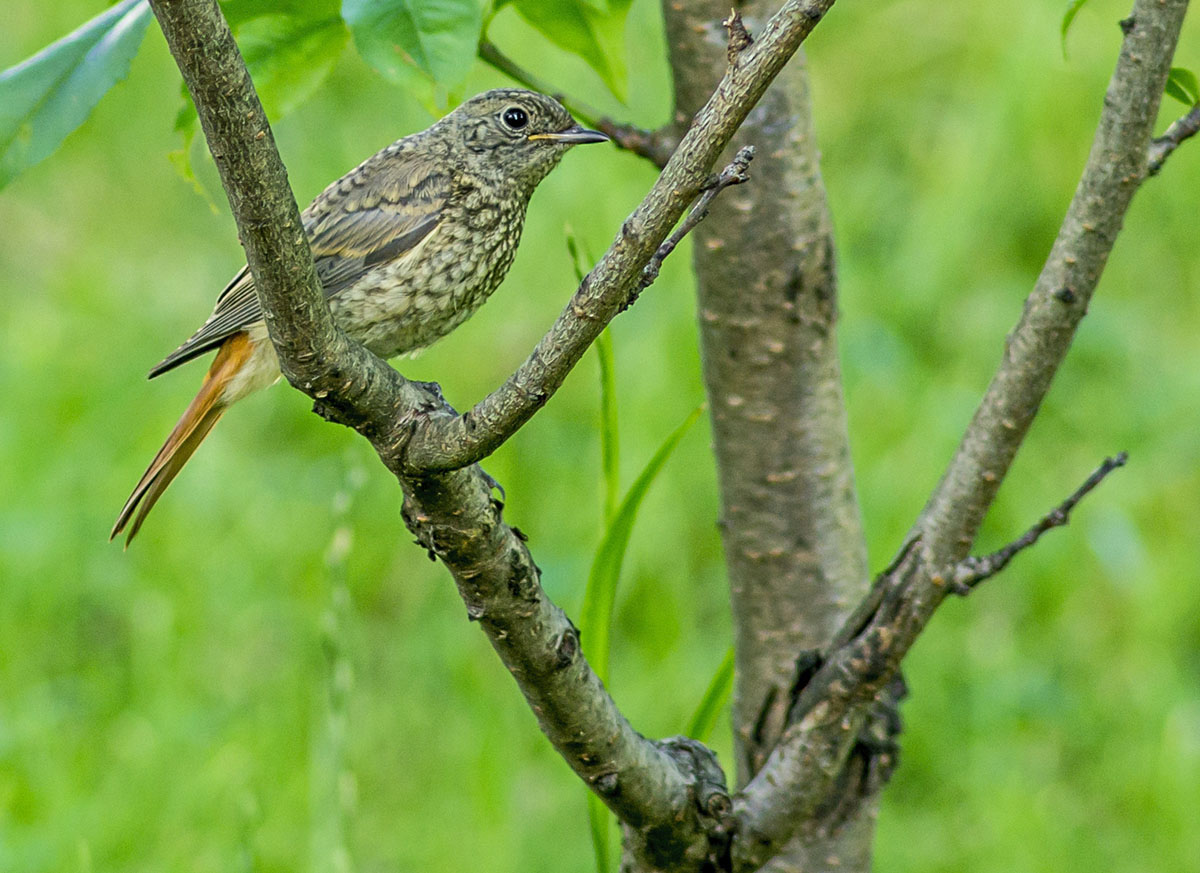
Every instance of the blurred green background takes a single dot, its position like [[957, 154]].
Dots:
[[206, 702]]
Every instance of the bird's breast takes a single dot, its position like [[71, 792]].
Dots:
[[410, 302]]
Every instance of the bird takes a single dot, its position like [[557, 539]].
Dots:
[[407, 246]]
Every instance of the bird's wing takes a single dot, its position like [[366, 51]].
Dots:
[[371, 216]]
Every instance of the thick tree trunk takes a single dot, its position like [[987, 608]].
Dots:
[[794, 546]]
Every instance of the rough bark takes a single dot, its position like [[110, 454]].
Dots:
[[767, 298]]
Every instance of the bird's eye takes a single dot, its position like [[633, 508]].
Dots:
[[515, 117]]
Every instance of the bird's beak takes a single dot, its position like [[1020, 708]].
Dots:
[[572, 136]]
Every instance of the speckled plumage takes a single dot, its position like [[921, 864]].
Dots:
[[407, 246]]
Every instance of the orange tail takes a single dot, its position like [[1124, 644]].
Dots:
[[203, 412]]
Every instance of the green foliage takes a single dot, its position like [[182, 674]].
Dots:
[[289, 56], [1067, 19], [1182, 85], [44, 98], [595, 32], [439, 36], [290, 47]]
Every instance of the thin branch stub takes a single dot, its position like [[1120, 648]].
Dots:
[[1181, 130], [973, 570], [739, 37]]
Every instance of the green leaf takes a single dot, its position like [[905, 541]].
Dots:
[[595, 618], [440, 37], [289, 56], [239, 11], [1182, 85], [1069, 17], [595, 34], [714, 700], [45, 97]]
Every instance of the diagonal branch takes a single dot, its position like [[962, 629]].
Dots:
[[797, 776], [1116, 168], [657, 791], [446, 443]]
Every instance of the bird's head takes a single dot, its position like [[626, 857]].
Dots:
[[514, 135]]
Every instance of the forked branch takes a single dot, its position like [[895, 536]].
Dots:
[[796, 777], [651, 787]]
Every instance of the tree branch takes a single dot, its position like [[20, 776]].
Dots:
[[654, 145], [1162, 147], [974, 569], [797, 776], [444, 443], [1116, 167], [664, 797]]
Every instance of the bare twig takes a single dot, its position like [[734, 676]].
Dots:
[[654, 145], [735, 173], [739, 37], [973, 570], [1162, 147]]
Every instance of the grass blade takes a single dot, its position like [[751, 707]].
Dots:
[[596, 614], [704, 719], [595, 619], [610, 450]]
